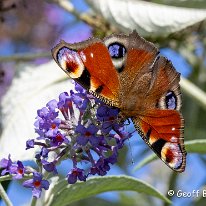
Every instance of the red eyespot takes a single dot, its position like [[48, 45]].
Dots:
[[169, 156], [71, 66]]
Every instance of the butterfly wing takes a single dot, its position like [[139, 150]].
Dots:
[[162, 130], [107, 68], [132, 56], [161, 124], [150, 94], [89, 64]]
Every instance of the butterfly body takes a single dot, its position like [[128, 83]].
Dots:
[[127, 72]]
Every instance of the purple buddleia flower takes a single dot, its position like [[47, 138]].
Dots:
[[77, 127], [30, 144], [79, 89], [47, 124], [37, 184], [81, 101], [75, 174], [16, 169], [44, 152], [52, 105], [58, 139], [49, 166], [65, 105], [5, 164], [86, 134], [109, 118], [81, 128]]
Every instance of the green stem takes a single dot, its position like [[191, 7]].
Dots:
[[25, 57], [34, 201], [5, 178], [10, 177], [4, 196]]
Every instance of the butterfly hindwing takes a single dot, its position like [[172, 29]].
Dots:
[[160, 123], [162, 130]]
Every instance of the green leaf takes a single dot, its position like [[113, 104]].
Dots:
[[145, 161], [196, 146], [194, 92], [192, 146], [149, 19], [32, 91], [95, 201], [64, 194], [183, 3]]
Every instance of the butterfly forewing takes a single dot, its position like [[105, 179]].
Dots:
[[89, 66], [132, 56]]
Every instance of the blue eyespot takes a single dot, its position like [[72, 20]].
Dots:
[[171, 100], [64, 52], [116, 50]]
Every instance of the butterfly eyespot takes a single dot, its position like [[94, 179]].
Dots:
[[117, 50], [118, 54], [172, 154], [70, 61], [171, 100]]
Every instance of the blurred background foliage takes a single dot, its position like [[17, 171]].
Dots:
[[29, 29]]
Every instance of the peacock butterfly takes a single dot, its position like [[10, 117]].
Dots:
[[127, 72]]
